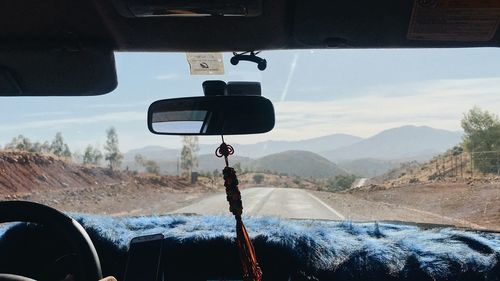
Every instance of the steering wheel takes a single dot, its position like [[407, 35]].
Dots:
[[89, 267]]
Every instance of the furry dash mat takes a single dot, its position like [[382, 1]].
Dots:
[[202, 247]]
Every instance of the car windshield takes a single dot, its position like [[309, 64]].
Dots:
[[362, 135]]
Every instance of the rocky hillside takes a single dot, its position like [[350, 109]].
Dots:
[[23, 172], [452, 166]]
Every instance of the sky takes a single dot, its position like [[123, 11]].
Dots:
[[315, 93]]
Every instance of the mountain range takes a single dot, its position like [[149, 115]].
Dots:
[[316, 145], [326, 156], [405, 142]]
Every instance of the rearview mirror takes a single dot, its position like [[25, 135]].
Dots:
[[211, 115]]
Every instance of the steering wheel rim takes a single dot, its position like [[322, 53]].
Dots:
[[24, 211]]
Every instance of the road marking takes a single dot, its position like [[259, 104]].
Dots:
[[326, 206]]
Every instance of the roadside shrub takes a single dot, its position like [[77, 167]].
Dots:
[[340, 182], [482, 139], [150, 165], [414, 180], [258, 178]]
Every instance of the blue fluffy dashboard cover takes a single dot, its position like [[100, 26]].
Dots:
[[307, 249]]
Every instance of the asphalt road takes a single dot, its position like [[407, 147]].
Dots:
[[269, 201], [360, 182]]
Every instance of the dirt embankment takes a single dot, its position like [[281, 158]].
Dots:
[[446, 187], [76, 188], [22, 173], [473, 202]]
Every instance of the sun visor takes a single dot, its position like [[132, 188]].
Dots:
[[56, 72], [397, 24]]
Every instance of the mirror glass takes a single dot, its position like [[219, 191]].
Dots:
[[213, 115]]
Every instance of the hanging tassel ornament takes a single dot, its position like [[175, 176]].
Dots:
[[251, 269]]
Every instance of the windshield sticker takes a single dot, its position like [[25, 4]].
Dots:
[[205, 63], [454, 20]]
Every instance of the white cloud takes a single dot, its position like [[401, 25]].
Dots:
[[45, 114], [126, 116], [436, 103], [119, 105], [168, 76]]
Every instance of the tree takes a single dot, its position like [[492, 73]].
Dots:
[[258, 178], [66, 152], [113, 154], [482, 138], [20, 143], [57, 147], [213, 176], [139, 159], [150, 165], [341, 182], [189, 154], [97, 156], [216, 173], [39, 147], [92, 155], [36, 147], [237, 168]]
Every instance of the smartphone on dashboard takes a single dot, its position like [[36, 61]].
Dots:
[[144, 256]]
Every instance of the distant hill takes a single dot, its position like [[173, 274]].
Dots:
[[403, 142], [297, 163], [152, 152], [368, 167], [165, 157], [270, 147], [210, 162]]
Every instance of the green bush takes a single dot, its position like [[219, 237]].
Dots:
[[340, 182], [482, 139], [258, 178]]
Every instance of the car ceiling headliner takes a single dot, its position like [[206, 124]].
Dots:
[[282, 25]]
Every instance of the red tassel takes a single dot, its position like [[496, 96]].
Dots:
[[251, 269]]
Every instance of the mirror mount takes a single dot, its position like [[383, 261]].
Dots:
[[214, 88], [232, 88]]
